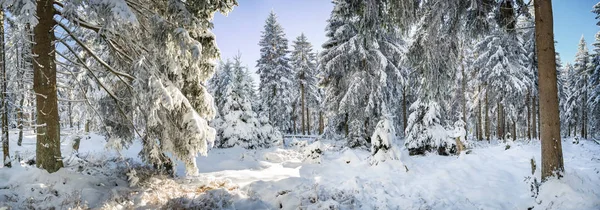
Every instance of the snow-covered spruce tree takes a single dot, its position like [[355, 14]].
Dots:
[[527, 23], [578, 88], [360, 70], [594, 82], [382, 142], [239, 124], [4, 97], [570, 111], [433, 53], [562, 93], [219, 82], [150, 60], [305, 65], [19, 48], [501, 65], [276, 88]]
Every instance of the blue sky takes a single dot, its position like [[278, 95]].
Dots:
[[573, 18], [240, 31]]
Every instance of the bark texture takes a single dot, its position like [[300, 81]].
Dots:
[[5, 144], [552, 157], [48, 155]]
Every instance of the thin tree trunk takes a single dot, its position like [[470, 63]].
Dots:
[[5, 144], [504, 124], [48, 155], [20, 120], [527, 104], [464, 98], [308, 131], [70, 110], [552, 157], [321, 123], [479, 129], [487, 117], [294, 126], [575, 126], [514, 130], [404, 118], [581, 133], [346, 126], [533, 117], [500, 125], [539, 125], [584, 112], [303, 107]]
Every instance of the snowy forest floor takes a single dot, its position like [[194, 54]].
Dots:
[[295, 177]]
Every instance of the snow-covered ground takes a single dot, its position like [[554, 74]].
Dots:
[[298, 177]]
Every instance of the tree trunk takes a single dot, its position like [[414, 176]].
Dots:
[[5, 144], [87, 126], [500, 125], [464, 98], [20, 117], [294, 126], [584, 112], [308, 131], [303, 107], [527, 102], [533, 118], [487, 117], [504, 123], [479, 129], [70, 110], [575, 126], [552, 157], [346, 126], [404, 118], [514, 130], [321, 123], [48, 155], [20, 120]]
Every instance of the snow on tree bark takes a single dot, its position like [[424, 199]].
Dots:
[[48, 154]]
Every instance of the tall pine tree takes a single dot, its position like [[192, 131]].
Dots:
[[276, 76], [305, 65], [360, 69]]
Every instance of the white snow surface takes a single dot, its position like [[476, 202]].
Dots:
[[490, 177]]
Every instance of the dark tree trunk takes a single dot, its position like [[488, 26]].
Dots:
[[479, 129], [20, 108], [321, 123], [464, 99], [48, 155], [404, 118], [584, 112], [487, 117], [527, 104], [70, 110], [514, 130], [552, 157], [303, 107], [308, 131], [5, 143], [346, 126], [534, 118], [500, 123]]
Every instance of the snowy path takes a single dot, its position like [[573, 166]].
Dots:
[[489, 178]]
